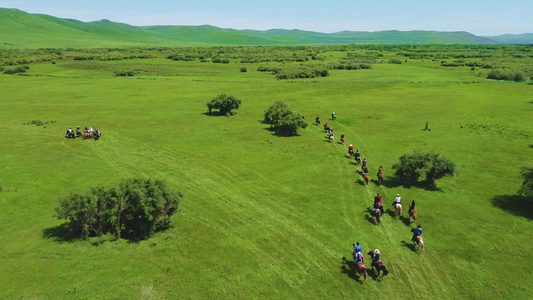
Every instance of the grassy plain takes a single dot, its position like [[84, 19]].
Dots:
[[263, 216]]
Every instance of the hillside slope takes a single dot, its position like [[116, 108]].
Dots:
[[24, 30]]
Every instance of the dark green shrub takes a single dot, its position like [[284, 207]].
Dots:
[[527, 185], [395, 61], [413, 165], [501, 74], [244, 69], [123, 73], [135, 209], [224, 104], [282, 120]]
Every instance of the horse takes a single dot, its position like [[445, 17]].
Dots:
[[380, 178], [350, 151], [398, 208], [364, 168], [413, 215], [317, 121], [331, 138], [97, 135], [70, 134], [87, 134], [78, 132], [381, 207], [420, 243], [366, 178], [333, 117], [377, 214], [326, 127], [378, 265], [344, 140], [360, 268]]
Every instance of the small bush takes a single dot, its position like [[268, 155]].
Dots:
[[244, 70], [124, 73], [16, 70], [501, 74]]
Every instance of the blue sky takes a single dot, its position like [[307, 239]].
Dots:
[[487, 17]]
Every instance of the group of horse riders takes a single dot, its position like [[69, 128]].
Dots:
[[378, 210], [86, 132], [376, 258]]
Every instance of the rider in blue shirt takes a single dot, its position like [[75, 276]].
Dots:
[[357, 247], [416, 232]]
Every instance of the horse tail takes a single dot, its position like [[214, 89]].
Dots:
[[422, 244], [385, 271], [365, 274]]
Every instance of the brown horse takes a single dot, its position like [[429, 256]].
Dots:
[[360, 268], [378, 265], [358, 160], [413, 215], [381, 207], [420, 243], [366, 178], [350, 151], [380, 178], [398, 208], [71, 135], [364, 168], [343, 140], [87, 135]]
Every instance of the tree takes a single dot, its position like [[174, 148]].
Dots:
[[527, 185], [224, 104], [282, 120], [135, 208], [412, 166]]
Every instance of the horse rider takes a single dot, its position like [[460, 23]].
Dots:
[[350, 149], [330, 133], [317, 119], [364, 162], [91, 130], [358, 257], [380, 171], [69, 131], [375, 257], [377, 198], [342, 136], [357, 247], [333, 116], [96, 132], [416, 232], [326, 126], [397, 200], [357, 155], [411, 206]]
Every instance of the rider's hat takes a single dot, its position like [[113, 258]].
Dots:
[[376, 251], [398, 195], [351, 145]]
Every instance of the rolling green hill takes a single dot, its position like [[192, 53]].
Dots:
[[24, 30]]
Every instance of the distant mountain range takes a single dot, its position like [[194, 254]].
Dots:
[[23, 30]]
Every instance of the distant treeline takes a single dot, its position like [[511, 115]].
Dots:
[[513, 62]]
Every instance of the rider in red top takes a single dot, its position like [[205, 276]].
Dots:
[[377, 198]]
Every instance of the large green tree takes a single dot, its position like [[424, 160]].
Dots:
[[224, 104], [283, 120], [412, 166], [135, 208]]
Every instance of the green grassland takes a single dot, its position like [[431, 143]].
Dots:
[[264, 216]]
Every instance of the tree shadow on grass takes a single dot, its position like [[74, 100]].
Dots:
[[517, 205], [393, 182], [61, 233], [410, 246], [348, 268]]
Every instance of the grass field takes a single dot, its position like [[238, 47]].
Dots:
[[263, 216]]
